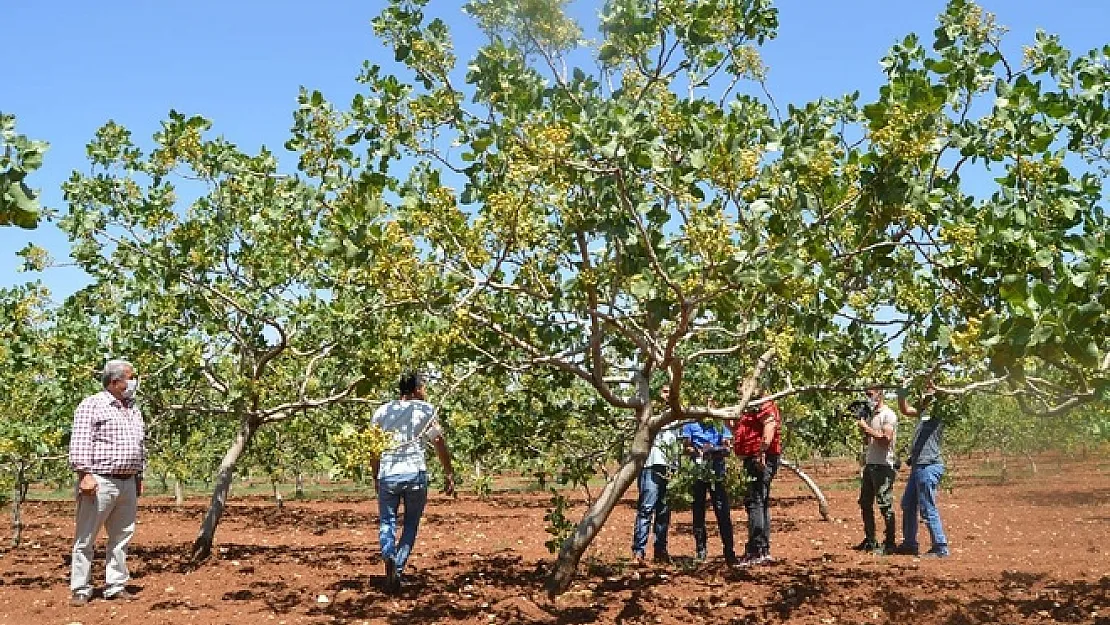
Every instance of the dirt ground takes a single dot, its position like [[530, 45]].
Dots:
[[1032, 550]]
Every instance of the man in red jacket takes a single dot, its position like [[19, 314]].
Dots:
[[757, 439]]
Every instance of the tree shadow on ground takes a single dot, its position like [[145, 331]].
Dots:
[[314, 520], [1070, 499], [17, 578], [1077, 601], [502, 587], [446, 517]]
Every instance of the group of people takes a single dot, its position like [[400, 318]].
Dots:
[[756, 439], [108, 454]]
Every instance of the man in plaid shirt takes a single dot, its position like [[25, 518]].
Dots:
[[108, 453]]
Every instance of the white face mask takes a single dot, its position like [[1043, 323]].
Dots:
[[132, 387], [873, 402]]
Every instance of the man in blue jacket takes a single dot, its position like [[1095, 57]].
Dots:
[[708, 443]]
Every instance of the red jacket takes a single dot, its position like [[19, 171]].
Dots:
[[747, 431]]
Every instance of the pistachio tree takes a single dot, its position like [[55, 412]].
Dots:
[[242, 294], [640, 206], [19, 156], [48, 356]]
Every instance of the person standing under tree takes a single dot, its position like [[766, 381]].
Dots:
[[401, 473], [926, 468], [708, 444], [652, 502], [877, 484], [107, 450], [757, 439]]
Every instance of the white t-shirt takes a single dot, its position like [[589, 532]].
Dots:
[[413, 425], [664, 441], [882, 452]]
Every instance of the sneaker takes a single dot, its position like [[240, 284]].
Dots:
[[122, 595], [867, 545], [749, 559], [701, 555], [662, 557], [392, 578], [78, 600], [935, 553], [906, 550]]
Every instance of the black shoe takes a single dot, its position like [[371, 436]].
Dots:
[[886, 549], [867, 545], [392, 578], [935, 553], [731, 559], [701, 555], [905, 550], [662, 557], [122, 595], [77, 600]]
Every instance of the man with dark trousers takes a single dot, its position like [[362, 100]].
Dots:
[[757, 440], [877, 479], [708, 444]]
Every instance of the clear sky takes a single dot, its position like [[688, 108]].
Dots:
[[72, 66]]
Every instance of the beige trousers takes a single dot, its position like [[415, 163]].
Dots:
[[113, 506]]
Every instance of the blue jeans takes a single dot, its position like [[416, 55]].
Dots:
[[921, 496], [412, 489], [652, 503]]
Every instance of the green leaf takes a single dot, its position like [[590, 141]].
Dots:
[[1013, 291]]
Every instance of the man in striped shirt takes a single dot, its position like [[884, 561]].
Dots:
[[108, 453]]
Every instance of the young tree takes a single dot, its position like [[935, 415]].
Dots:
[[238, 293], [47, 359]]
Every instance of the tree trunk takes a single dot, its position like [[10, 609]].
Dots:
[[298, 491], [202, 546], [278, 500], [19, 495], [178, 491], [571, 553], [822, 503]]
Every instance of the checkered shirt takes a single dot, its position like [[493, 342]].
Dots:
[[108, 437]]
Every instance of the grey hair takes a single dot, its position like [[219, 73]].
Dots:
[[114, 370]]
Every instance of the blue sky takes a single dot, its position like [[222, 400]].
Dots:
[[75, 65]]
